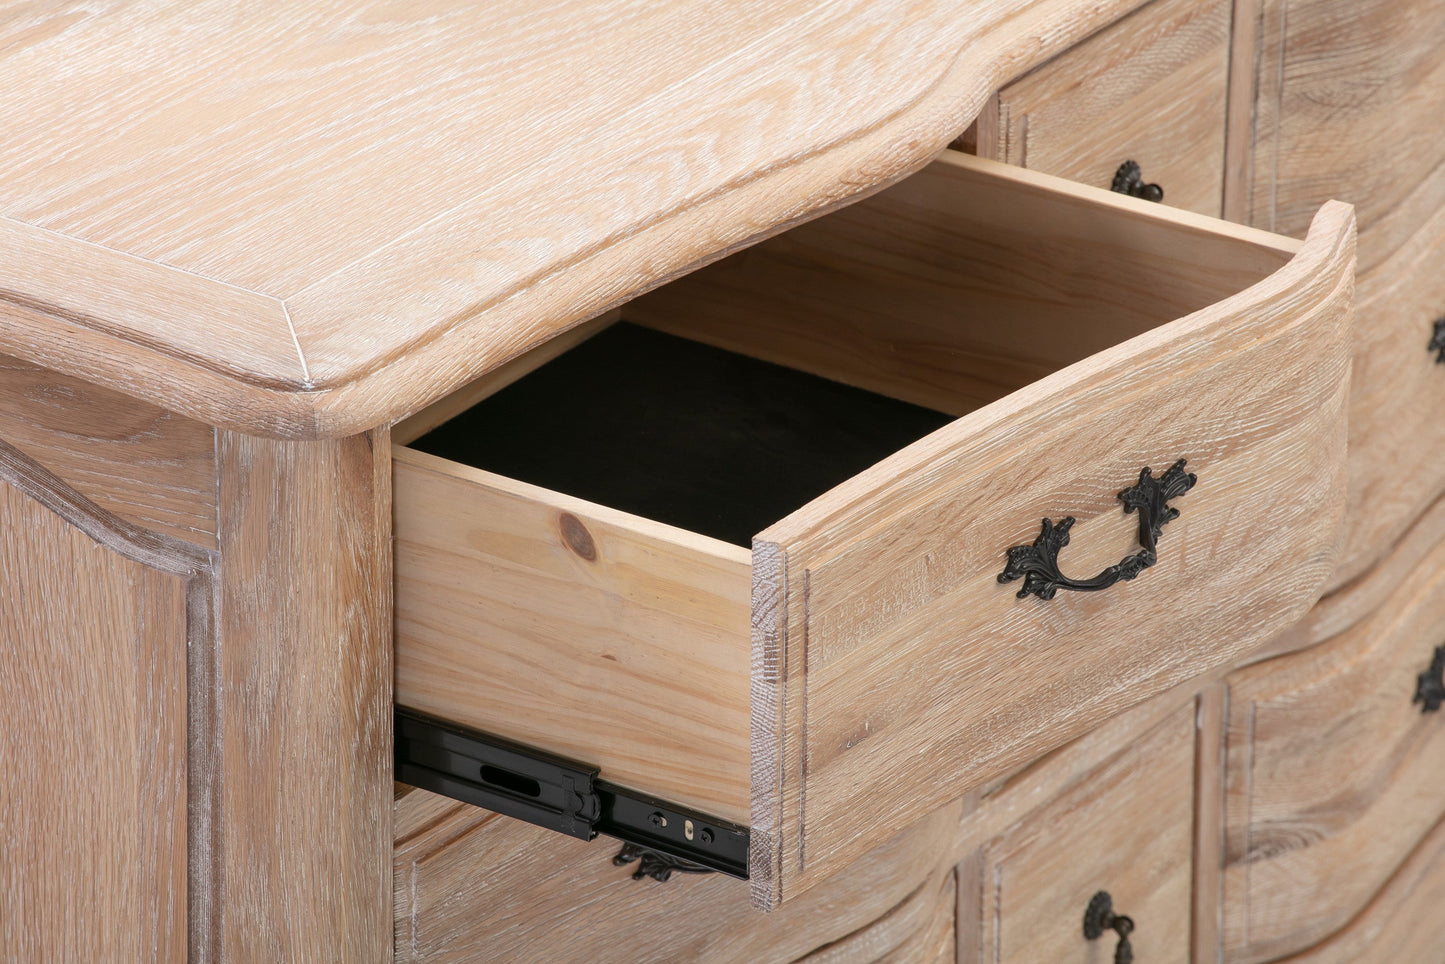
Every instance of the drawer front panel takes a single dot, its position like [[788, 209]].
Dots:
[[1333, 773], [472, 886], [1350, 96], [1401, 924], [1151, 88], [892, 672], [1126, 829], [1397, 442]]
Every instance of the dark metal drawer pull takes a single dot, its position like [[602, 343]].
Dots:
[[1100, 917], [1129, 179], [1437, 341], [1038, 564], [1430, 685]]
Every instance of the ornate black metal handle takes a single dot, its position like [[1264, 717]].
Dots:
[[1038, 564], [1129, 179], [1100, 917], [1437, 341], [654, 864], [1430, 685]]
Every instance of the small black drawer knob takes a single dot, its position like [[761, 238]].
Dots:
[[1129, 179], [1100, 917], [1038, 564], [1430, 685]]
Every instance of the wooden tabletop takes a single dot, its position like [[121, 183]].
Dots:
[[311, 218]]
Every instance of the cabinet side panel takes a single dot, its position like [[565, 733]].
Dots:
[[93, 703], [141, 462]]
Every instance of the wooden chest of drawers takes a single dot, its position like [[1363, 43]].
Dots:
[[286, 308]]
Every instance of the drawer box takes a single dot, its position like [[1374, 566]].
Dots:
[[860, 663]]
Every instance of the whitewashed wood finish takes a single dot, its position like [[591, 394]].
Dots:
[[1342, 609], [313, 222], [94, 630], [471, 886], [1127, 829], [609, 639], [297, 696], [967, 281], [1397, 445], [1151, 88], [133, 459], [1349, 96], [1333, 774], [890, 576], [1401, 925]]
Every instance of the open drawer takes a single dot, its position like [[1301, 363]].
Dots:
[[861, 663]]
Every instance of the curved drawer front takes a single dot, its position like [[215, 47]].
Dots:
[[1397, 441], [892, 672], [1326, 749], [889, 670]]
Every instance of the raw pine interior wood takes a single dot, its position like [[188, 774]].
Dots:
[[1400, 923], [138, 461], [299, 702], [967, 281], [890, 576], [1333, 774], [94, 631], [323, 233], [1127, 829], [613, 640], [1151, 88], [471, 885]]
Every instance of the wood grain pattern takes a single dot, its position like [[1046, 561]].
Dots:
[[94, 632], [1398, 925], [324, 233], [1151, 88], [1333, 775], [1208, 890], [966, 282], [1127, 830], [300, 701], [133, 459], [1397, 446], [1335, 118], [1345, 607], [475, 886], [606, 638], [890, 576]]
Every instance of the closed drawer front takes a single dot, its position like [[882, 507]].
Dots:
[[1334, 774], [1398, 926], [1152, 88], [1349, 96], [861, 664], [1397, 444], [1125, 830]]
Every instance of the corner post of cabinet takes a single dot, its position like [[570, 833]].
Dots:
[[297, 704]]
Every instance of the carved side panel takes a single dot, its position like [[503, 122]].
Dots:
[[94, 619]]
